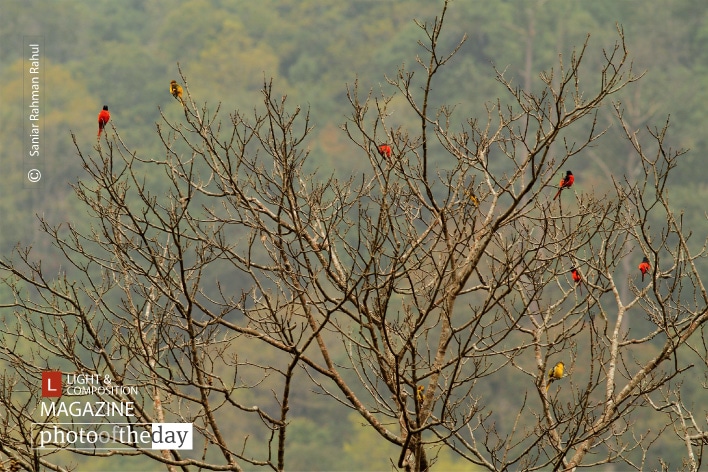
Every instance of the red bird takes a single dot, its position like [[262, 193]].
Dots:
[[566, 182], [644, 267], [576, 275], [103, 118], [384, 150], [576, 278]]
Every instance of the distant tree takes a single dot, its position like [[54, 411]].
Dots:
[[402, 293]]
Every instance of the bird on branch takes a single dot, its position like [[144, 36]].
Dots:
[[566, 182], [556, 373], [103, 117], [176, 91], [384, 150], [644, 267]]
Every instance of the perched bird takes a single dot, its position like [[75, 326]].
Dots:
[[644, 267], [384, 150], [420, 391], [176, 90], [473, 197], [103, 117], [555, 373], [576, 275], [566, 182], [576, 278]]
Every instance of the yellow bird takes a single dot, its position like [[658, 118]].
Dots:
[[555, 373], [176, 90], [421, 397], [473, 197]]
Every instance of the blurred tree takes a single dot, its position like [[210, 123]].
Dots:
[[363, 438], [67, 99], [244, 62]]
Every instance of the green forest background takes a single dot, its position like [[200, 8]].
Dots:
[[124, 54]]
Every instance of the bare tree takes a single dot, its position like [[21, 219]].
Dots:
[[401, 293]]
